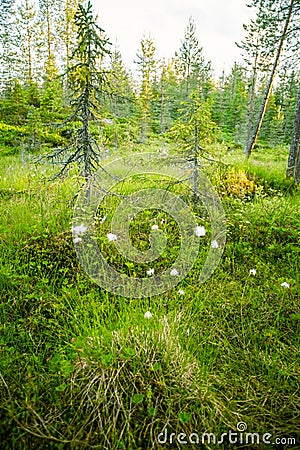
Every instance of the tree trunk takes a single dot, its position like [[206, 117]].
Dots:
[[29, 38], [268, 90], [251, 101], [49, 37], [195, 168], [293, 165]]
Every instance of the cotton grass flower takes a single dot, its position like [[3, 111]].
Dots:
[[252, 271], [200, 231], [148, 315], [174, 273], [79, 229], [150, 272], [181, 292], [111, 237], [77, 239], [214, 244], [285, 285], [154, 227]]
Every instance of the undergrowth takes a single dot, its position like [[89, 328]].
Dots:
[[83, 368]]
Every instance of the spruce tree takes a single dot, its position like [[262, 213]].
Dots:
[[192, 65], [147, 67], [87, 78]]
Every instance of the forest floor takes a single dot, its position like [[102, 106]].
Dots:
[[83, 368]]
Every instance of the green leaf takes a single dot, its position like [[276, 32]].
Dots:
[[295, 316], [61, 387], [156, 366], [127, 352], [151, 411], [137, 398], [184, 416]]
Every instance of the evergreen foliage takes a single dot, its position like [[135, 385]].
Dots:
[[87, 78], [54, 74]]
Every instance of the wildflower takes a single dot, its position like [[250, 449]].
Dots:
[[174, 273], [111, 237], [285, 285], [148, 315], [214, 244], [188, 332], [108, 121], [181, 292], [200, 231], [154, 227], [252, 271], [79, 229], [77, 239], [150, 272]]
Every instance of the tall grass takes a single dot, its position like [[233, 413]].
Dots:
[[83, 368]]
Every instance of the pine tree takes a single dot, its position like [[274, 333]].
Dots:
[[293, 166], [87, 78], [286, 95], [192, 65], [194, 130], [168, 95], [69, 29], [49, 15], [8, 42], [280, 12], [147, 67], [27, 21], [119, 94], [230, 103], [258, 51]]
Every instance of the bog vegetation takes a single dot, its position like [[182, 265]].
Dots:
[[81, 367]]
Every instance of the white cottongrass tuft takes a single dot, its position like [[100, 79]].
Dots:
[[174, 273], [77, 239], [285, 285], [150, 272], [187, 332], [111, 237], [181, 292], [214, 244], [252, 271], [79, 229], [148, 315], [200, 231], [154, 227]]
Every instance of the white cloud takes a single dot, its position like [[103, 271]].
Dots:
[[219, 24]]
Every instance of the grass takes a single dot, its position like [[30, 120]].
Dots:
[[83, 368]]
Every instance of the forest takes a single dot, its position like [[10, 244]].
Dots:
[[150, 235]]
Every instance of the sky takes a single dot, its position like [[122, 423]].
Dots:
[[219, 24]]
